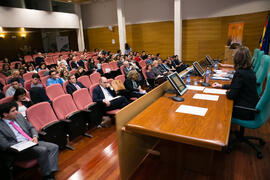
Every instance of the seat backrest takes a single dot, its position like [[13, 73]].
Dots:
[[28, 58], [144, 72], [65, 86], [49, 61], [257, 63], [41, 72], [44, 80], [142, 63], [35, 115], [122, 69], [73, 71], [54, 91], [85, 81], [82, 98], [26, 84], [92, 88], [120, 77], [3, 82], [263, 106], [63, 106], [105, 68], [113, 65], [262, 72], [27, 76], [6, 99], [94, 77], [255, 55]]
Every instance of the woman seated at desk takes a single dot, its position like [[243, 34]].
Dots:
[[242, 89], [132, 86]]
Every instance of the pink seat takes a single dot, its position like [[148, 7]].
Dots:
[[44, 80], [41, 72], [27, 84], [113, 65], [105, 68], [121, 78], [65, 86], [54, 91], [94, 77], [49, 61], [82, 98], [112, 112], [85, 81], [26, 164], [28, 76], [110, 80], [142, 63], [3, 82], [144, 72], [92, 88], [73, 71], [28, 58], [122, 69], [36, 118], [6, 99], [63, 106]]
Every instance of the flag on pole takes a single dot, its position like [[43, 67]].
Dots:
[[264, 41]]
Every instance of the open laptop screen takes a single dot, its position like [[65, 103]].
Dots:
[[177, 83], [209, 60], [198, 68]]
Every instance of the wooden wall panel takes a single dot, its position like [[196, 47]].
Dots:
[[200, 36]]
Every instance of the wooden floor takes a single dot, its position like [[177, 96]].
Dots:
[[97, 159]]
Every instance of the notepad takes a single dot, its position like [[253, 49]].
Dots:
[[214, 91], [206, 97], [196, 88], [22, 145], [199, 111], [220, 78]]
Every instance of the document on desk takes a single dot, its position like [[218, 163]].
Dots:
[[192, 110], [206, 97], [214, 91], [196, 88]]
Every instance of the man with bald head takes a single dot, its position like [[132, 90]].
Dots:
[[16, 74], [105, 94]]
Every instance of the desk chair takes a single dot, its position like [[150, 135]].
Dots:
[[262, 72], [257, 62], [255, 55], [262, 115]]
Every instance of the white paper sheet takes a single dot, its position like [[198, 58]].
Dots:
[[220, 78], [214, 91], [196, 88], [23, 145], [206, 97], [192, 110]]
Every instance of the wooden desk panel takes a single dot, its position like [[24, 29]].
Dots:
[[160, 120]]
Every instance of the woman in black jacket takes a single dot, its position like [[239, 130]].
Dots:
[[21, 100], [132, 85], [242, 90]]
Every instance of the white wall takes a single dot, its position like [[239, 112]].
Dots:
[[103, 13], [18, 17]]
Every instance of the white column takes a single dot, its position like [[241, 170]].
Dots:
[[177, 29], [80, 38], [121, 24]]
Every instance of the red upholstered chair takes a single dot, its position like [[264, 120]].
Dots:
[[142, 63], [42, 117], [122, 70], [3, 81], [73, 71], [65, 86], [44, 80], [41, 72], [65, 109], [92, 88], [49, 61], [121, 78], [27, 76], [105, 68], [82, 99], [28, 58], [113, 65], [85, 81], [94, 77], [6, 99], [54, 91]]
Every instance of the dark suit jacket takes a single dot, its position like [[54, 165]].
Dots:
[[243, 92], [71, 88], [98, 95], [129, 85], [74, 65], [8, 138]]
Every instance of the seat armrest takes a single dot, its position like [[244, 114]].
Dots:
[[76, 112], [66, 120], [247, 108], [42, 133]]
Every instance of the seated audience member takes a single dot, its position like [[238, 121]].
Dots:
[[6, 70], [14, 128], [81, 61], [51, 68], [62, 60], [22, 102], [35, 82], [127, 49], [18, 66], [61, 67], [179, 65], [73, 84], [54, 78], [104, 94], [156, 70], [6, 60], [91, 66], [243, 88], [39, 59], [16, 74], [150, 75], [74, 63], [120, 61], [14, 85], [137, 57], [42, 66], [80, 72], [149, 60], [2, 95], [144, 55], [70, 57], [127, 67], [163, 67], [22, 71], [132, 86], [64, 75], [31, 69], [170, 64]]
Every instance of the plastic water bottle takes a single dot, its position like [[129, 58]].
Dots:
[[207, 75], [188, 79], [216, 66]]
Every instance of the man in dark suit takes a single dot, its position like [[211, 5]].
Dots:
[[104, 93], [14, 128], [73, 84]]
